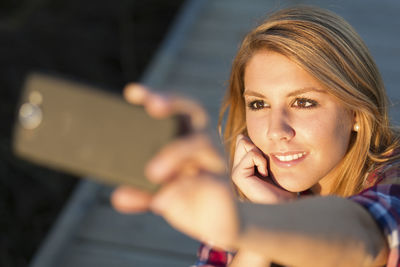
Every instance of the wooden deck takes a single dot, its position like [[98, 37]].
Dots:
[[195, 61]]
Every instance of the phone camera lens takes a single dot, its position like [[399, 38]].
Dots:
[[30, 116]]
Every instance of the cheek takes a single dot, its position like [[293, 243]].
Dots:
[[255, 128], [343, 134], [331, 133], [343, 127]]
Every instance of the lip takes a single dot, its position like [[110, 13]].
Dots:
[[291, 163]]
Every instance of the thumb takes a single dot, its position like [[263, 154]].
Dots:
[[130, 200]]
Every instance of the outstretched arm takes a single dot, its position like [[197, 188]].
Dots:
[[316, 231]]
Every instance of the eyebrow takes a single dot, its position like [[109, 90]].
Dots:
[[291, 94]]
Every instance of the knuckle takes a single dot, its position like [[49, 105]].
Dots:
[[245, 142], [240, 139]]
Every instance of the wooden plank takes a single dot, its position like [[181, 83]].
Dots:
[[104, 224], [155, 73], [218, 49], [247, 13], [96, 254], [199, 70], [62, 232]]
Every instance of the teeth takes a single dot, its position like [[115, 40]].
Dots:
[[290, 157]]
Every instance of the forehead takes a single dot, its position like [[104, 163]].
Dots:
[[268, 70]]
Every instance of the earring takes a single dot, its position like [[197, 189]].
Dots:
[[356, 127]]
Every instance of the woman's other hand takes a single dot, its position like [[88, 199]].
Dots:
[[250, 175]]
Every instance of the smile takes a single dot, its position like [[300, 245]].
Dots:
[[291, 157], [286, 160]]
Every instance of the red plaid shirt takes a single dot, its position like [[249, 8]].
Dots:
[[211, 257], [381, 199]]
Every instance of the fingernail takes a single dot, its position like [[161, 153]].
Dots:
[[266, 172], [263, 172]]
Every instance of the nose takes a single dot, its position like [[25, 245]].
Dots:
[[279, 128]]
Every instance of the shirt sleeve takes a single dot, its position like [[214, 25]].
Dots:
[[383, 203]]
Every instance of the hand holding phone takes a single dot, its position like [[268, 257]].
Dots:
[[187, 156], [80, 129]]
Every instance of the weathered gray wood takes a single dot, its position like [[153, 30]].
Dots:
[[62, 232], [146, 230], [155, 74], [97, 254]]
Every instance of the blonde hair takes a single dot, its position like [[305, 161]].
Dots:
[[329, 49]]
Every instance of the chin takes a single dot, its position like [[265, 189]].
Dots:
[[292, 186]]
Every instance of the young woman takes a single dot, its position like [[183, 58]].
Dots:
[[312, 154]]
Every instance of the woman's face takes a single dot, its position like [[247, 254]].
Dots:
[[298, 125]]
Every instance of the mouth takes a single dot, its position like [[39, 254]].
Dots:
[[288, 159]]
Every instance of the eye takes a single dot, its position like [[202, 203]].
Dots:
[[257, 104], [304, 103]]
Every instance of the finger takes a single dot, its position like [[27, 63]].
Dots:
[[243, 146], [198, 116], [136, 93], [195, 151], [129, 200], [245, 168], [246, 258], [156, 104], [161, 106]]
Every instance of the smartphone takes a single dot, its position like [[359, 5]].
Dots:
[[78, 128]]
